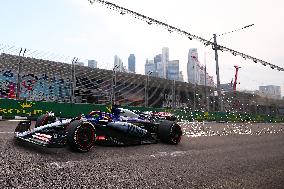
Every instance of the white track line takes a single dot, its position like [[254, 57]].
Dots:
[[17, 120], [6, 132]]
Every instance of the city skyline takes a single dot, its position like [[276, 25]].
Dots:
[[86, 25], [118, 66]]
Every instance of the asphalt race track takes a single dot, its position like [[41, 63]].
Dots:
[[211, 155]]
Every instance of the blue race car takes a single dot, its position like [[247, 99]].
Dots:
[[121, 127]]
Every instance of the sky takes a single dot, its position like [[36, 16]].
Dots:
[[75, 28]]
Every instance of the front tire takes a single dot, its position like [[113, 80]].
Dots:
[[81, 135], [169, 132]]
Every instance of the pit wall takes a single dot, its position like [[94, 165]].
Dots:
[[9, 108]]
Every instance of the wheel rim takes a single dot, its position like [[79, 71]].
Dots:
[[85, 136], [176, 134]]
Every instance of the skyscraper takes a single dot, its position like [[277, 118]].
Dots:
[[149, 67], [118, 64], [162, 67], [181, 76], [165, 60], [131, 63], [271, 91], [202, 76], [193, 67], [160, 70], [173, 70], [92, 63], [157, 59]]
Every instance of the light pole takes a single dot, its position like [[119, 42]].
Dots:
[[146, 87], [206, 96], [194, 97], [113, 84], [174, 95], [19, 73], [73, 79], [214, 102], [206, 93], [216, 47], [194, 86]]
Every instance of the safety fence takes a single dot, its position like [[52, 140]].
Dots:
[[27, 78]]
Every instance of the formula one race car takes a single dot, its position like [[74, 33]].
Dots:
[[122, 127]]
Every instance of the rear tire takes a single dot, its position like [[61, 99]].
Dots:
[[169, 132], [81, 135], [44, 120]]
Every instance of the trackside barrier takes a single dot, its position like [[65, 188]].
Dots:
[[228, 117], [9, 108]]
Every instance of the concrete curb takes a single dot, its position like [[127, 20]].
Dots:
[[13, 117], [20, 117]]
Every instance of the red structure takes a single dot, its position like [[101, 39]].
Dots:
[[236, 78]]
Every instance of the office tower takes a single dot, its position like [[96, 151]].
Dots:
[[92, 63], [118, 64], [193, 67], [165, 60], [131, 63], [173, 70]]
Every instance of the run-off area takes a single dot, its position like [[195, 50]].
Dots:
[[210, 155]]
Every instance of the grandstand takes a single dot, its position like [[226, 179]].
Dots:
[[44, 80]]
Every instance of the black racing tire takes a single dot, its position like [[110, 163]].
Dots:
[[81, 135], [169, 132], [44, 119], [23, 126], [171, 118]]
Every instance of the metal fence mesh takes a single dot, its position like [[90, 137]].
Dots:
[[44, 80]]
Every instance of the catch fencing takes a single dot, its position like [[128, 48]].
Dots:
[[38, 80]]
